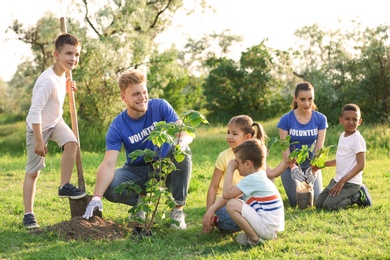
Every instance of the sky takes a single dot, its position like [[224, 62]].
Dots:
[[254, 20]]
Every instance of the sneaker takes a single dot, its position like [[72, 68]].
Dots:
[[140, 215], [178, 216], [244, 240], [70, 191], [29, 221], [365, 198]]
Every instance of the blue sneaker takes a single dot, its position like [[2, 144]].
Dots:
[[365, 198]]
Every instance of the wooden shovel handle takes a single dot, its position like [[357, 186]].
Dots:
[[73, 117]]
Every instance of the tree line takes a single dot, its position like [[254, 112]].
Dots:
[[343, 66]]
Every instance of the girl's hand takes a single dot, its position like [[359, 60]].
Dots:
[[207, 222]]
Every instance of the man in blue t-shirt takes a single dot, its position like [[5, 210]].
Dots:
[[130, 129]]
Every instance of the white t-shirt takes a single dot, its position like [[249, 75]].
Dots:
[[47, 100], [260, 193], [347, 149]]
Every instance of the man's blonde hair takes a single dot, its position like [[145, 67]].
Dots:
[[131, 77]]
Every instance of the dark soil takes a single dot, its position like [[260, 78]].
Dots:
[[95, 228]]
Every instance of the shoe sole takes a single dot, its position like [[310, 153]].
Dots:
[[179, 227], [368, 203], [31, 227], [73, 197]]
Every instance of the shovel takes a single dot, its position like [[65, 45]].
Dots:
[[78, 206]]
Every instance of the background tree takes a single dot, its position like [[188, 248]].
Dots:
[[117, 36], [346, 67], [3, 93], [244, 87], [370, 75], [343, 66]]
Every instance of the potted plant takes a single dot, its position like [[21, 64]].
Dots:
[[304, 190]]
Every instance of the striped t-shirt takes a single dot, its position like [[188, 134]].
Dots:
[[261, 194]]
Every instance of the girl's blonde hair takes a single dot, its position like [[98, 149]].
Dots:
[[247, 126]]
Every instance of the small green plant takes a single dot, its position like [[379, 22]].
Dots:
[[321, 155], [155, 191], [300, 155], [279, 144]]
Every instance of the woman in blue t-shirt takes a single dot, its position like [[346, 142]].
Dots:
[[305, 125]]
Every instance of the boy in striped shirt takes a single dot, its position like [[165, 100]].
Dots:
[[261, 214]]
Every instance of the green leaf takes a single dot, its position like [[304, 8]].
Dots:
[[321, 156]]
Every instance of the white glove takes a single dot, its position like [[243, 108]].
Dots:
[[182, 143], [297, 174], [310, 177], [95, 203]]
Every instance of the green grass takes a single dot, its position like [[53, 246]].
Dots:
[[355, 233]]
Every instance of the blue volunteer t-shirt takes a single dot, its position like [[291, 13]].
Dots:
[[133, 132], [305, 134]]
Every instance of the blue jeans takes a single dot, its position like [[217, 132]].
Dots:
[[225, 222], [177, 181], [290, 185]]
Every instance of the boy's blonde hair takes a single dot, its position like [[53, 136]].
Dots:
[[131, 77], [253, 150]]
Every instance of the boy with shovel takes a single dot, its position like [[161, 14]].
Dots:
[[45, 122]]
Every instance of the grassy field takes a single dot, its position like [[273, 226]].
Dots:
[[355, 233]]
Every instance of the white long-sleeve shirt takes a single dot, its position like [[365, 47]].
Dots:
[[47, 100]]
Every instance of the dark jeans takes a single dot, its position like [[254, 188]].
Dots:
[[177, 181], [348, 196]]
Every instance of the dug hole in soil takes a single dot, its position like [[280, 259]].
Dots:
[[95, 228]]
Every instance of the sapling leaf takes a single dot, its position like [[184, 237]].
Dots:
[[155, 188], [321, 156], [280, 144], [300, 155]]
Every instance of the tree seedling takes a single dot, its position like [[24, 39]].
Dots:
[[155, 190], [300, 155]]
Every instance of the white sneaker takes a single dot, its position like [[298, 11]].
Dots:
[[243, 240], [179, 217], [139, 215]]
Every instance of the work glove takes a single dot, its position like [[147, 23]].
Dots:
[[95, 203], [182, 143], [297, 174], [310, 177]]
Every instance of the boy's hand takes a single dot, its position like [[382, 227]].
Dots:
[[232, 165], [336, 189], [70, 85], [40, 149], [315, 168]]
